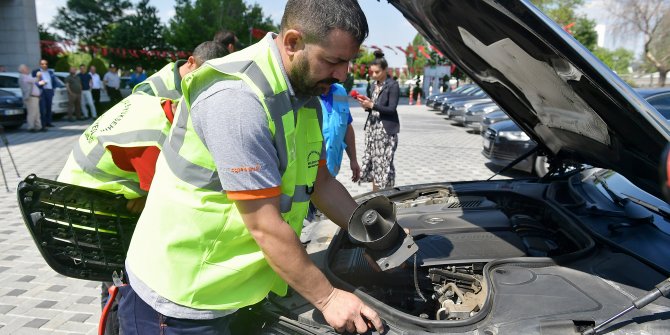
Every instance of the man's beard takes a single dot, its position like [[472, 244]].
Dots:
[[301, 81]]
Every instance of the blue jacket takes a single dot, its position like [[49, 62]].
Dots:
[[336, 119], [55, 82]]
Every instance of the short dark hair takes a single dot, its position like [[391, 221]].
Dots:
[[225, 37], [208, 50], [316, 18], [380, 60]]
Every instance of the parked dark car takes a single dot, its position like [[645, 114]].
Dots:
[[553, 255], [491, 118], [430, 101], [440, 101], [504, 141], [459, 107], [475, 114], [12, 110]]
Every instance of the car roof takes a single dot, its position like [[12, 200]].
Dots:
[[648, 92]]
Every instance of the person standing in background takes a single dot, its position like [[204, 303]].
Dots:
[[381, 127], [87, 105], [31, 98], [73, 85], [227, 39], [112, 83], [137, 77], [96, 86], [47, 85]]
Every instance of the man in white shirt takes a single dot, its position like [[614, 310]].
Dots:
[[112, 83], [96, 85]]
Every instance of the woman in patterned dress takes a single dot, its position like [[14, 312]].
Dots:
[[381, 127]]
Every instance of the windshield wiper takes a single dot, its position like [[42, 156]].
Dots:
[[631, 205]]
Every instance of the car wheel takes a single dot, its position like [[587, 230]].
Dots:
[[541, 166]]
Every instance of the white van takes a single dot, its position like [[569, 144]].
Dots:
[[9, 81]]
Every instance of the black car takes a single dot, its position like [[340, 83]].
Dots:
[[560, 254], [504, 141], [430, 101], [12, 110], [491, 118], [440, 101]]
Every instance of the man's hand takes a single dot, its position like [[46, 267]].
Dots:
[[345, 311], [136, 206], [355, 171]]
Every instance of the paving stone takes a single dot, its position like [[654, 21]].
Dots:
[[56, 288], [80, 317], [26, 278], [4, 309], [85, 300], [46, 304], [36, 323], [16, 292]]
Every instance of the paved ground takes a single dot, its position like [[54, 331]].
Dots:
[[36, 300]]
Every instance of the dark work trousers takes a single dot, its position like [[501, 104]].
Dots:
[[114, 95], [138, 318], [112, 325], [95, 92], [46, 102]]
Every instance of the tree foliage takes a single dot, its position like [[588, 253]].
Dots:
[[618, 60], [198, 21], [90, 21], [649, 18], [563, 13], [139, 30]]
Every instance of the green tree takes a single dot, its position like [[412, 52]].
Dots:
[[618, 60], [651, 20], [198, 21], [48, 52], [140, 30], [90, 21], [416, 60], [563, 13]]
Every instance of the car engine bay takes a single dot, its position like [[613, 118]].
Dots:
[[457, 236]]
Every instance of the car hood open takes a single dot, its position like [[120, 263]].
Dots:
[[563, 97]]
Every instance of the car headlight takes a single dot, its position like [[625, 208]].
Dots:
[[514, 135]]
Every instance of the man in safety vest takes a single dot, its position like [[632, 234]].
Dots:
[[166, 83], [118, 152], [233, 182]]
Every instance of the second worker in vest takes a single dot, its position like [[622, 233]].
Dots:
[[166, 82], [233, 182]]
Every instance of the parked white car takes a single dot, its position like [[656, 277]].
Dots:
[[9, 81]]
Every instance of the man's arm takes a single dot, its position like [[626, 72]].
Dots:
[[350, 141], [331, 198], [287, 257]]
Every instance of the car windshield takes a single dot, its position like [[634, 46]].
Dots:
[[624, 188], [6, 94], [9, 82]]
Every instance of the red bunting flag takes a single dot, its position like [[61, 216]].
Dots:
[[403, 50], [422, 49], [258, 33], [438, 51], [388, 47]]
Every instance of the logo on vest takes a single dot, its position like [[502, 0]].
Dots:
[[313, 159], [91, 133], [255, 168]]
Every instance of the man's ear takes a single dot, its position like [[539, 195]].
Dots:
[[293, 42], [191, 63]]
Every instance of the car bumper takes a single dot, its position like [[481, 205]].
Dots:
[[10, 116]]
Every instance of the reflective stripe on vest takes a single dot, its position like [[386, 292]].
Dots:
[[138, 121], [161, 83], [278, 105], [161, 90]]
